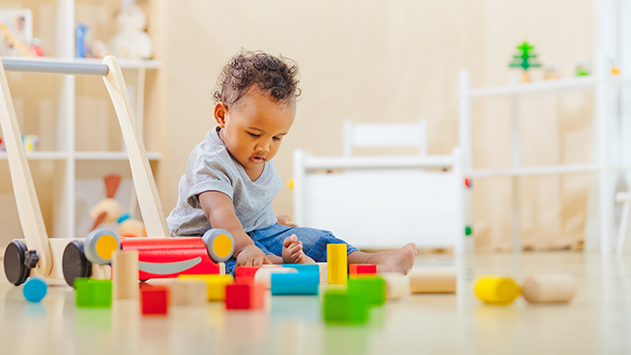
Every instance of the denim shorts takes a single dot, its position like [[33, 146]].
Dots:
[[314, 241]]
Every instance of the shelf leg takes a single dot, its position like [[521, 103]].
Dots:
[[515, 164]]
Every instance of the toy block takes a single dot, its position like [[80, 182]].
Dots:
[[497, 290], [249, 295], [215, 285], [222, 268], [361, 269], [552, 288], [303, 267], [154, 300], [433, 281], [101, 272], [336, 260], [397, 285], [246, 273], [93, 293], [125, 274], [264, 274], [188, 292], [324, 275], [35, 289], [301, 283], [339, 306], [373, 287]]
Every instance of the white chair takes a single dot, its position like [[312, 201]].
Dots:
[[382, 135], [383, 201], [625, 199]]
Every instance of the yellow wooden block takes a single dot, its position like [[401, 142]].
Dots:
[[497, 290], [215, 285], [337, 267]]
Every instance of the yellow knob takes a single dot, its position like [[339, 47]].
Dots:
[[105, 246], [222, 245]]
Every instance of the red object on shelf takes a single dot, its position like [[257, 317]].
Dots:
[[246, 273], [467, 182], [154, 300], [245, 295], [170, 257], [362, 269]]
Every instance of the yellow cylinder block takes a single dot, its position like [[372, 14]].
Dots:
[[497, 290]]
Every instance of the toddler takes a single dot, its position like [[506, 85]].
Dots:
[[230, 178]]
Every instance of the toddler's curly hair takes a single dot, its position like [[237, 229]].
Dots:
[[275, 77]]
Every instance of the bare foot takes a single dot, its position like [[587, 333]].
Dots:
[[292, 252], [400, 260]]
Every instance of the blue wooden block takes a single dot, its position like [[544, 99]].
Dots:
[[35, 289], [305, 283], [304, 267]]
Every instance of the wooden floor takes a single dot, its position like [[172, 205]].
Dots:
[[597, 321]]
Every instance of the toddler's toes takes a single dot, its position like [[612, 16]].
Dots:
[[289, 240]]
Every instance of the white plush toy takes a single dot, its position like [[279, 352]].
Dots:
[[131, 41]]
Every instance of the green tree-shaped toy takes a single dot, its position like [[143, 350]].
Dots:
[[524, 60]]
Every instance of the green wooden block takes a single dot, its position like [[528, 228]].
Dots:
[[339, 306], [101, 293], [93, 293], [82, 291], [373, 287]]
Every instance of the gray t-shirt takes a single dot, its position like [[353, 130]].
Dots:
[[211, 168]]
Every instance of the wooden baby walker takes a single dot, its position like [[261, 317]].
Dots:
[[58, 259]]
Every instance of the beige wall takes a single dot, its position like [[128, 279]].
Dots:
[[374, 61], [380, 61]]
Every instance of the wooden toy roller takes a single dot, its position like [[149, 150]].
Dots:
[[552, 288], [433, 281], [64, 258]]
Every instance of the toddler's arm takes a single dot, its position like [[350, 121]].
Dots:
[[219, 210]]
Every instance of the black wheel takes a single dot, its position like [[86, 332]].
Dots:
[[74, 262], [14, 268]]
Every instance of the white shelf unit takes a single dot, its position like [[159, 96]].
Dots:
[[611, 152], [64, 223], [603, 163]]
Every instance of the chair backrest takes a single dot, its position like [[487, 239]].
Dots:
[[366, 135]]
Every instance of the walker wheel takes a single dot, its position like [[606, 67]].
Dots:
[[100, 245], [74, 262], [219, 243], [14, 268]]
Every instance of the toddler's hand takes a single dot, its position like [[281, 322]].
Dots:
[[252, 256], [285, 220]]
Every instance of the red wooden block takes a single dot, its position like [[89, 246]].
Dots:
[[362, 269], [246, 273], [154, 300], [245, 295]]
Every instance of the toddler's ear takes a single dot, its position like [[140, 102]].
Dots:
[[220, 114]]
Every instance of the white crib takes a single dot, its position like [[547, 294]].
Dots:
[[383, 201]]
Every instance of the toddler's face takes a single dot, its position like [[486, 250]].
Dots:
[[253, 129]]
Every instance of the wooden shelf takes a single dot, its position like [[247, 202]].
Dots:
[[41, 155], [112, 156], [51, 155]]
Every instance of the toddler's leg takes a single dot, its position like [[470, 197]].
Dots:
[[400, 260], [315, 242]]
